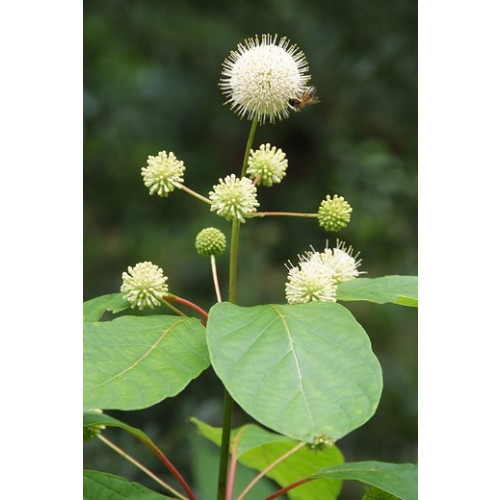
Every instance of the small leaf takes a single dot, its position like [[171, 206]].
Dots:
[[134, 362], [402, 290], [258, 448], [103, 486], [94, 309], [400, 480], [91, 418], [304, 370]]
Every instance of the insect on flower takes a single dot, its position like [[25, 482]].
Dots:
[[307, 98]]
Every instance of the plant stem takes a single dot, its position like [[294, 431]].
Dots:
[[228, 400], [153, 476], [172, 307], [216, 279], [186, 302], [291, 486], [234, 459], [251, 136], [285, 214], [268, 468], [193, 193]]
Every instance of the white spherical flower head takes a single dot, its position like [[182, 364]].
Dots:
[[163, 174], [144, 285], [262, 77], [310, 281], [232, 198], [340, 260], [267, 164]]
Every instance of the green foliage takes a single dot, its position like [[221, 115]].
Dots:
[[303, 370], [103, 486], [94, 309], [134, 362], [402, 290], [397, 479], [258, 448]]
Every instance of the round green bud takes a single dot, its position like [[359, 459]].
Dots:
[[210, 241], [334, 213], [92, 431], [373, 493]]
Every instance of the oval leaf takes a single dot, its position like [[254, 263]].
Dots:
[[398, 479], [402, 290], [103, 486], [303, 370], [258, 448], [133, 362]]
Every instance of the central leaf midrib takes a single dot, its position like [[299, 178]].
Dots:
[[299, 373], [135, 363]]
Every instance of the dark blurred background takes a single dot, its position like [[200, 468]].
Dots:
[[151, 73]]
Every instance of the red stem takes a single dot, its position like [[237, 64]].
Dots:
[[170, 466], [289, 487], [188, 303]]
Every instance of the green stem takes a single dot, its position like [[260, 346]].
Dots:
[[193, 193], [251, 136], [228, 400], [285, 214]]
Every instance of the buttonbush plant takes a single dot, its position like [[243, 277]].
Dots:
[[302, 370]]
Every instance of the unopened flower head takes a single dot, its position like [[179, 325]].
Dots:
[[310, 281], [92, 431], [163, 173], [144, 285], [334, 213], [340, 260], [232, 198], [262, 77], [210, 241], [268, 164]]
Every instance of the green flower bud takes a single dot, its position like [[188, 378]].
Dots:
[[334, 214], [210, 241], [92, 431], [268, 164], [376, 494]]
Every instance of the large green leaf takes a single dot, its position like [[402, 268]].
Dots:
[[94, 309], [402, 290], [304, 370], [133, 362], [258, 448], [399, 479], [103, 486]]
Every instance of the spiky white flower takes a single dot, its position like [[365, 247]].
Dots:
[[262, 77], [163, 173], [144, 285], [339, 260], [267, 164], [232, 198], [310, 281]]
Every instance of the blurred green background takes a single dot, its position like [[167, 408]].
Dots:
[[151, 73]]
